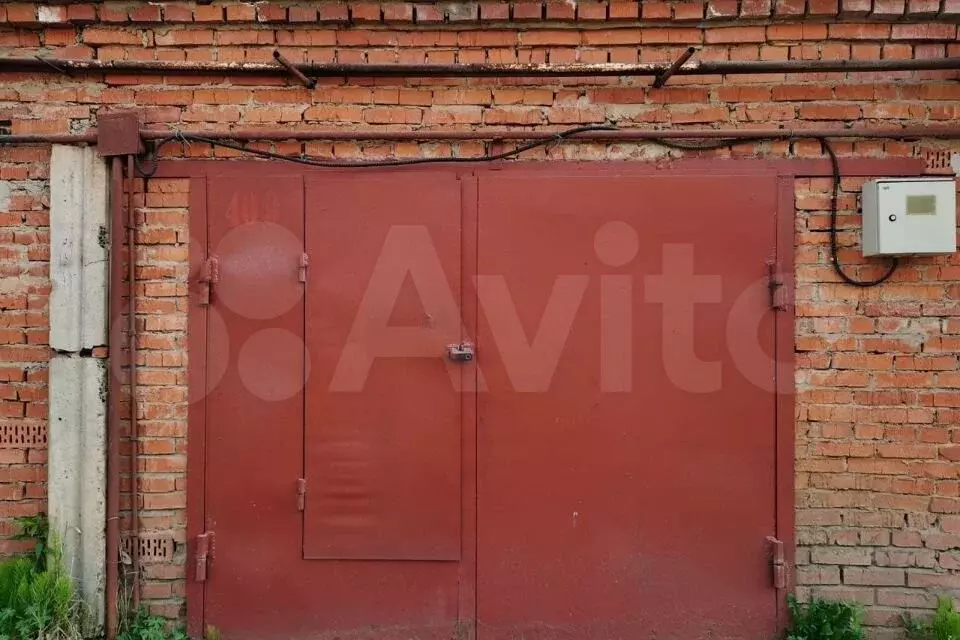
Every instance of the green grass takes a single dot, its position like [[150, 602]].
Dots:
[[824, 620], [37, 598], [142, 626], [945, 624]]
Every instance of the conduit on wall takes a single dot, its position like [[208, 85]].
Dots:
[[507, 135], [36, 65]]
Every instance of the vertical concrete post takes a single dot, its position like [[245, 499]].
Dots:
[[78, 407]]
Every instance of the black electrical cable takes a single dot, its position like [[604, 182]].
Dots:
[[334, 164], [516, 151], [834, 249], [834, 200]]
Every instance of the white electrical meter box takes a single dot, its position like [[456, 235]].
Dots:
[[909, 216]]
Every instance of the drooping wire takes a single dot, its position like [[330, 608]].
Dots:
[[151, 158], [834, 248], [403, 162]]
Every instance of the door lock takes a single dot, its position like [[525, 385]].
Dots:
[[460, 352]]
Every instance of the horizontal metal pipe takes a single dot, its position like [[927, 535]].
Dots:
[[427, 135], [52, 65], [250, 135], [50, 138]]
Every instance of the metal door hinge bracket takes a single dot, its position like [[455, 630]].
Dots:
[[775, 285], [778, 562], [301, 494], [202, 559], [302, 269], [209, 276]]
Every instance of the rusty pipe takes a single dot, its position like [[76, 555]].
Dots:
[[53, 138], [132, 362], [36, 65], [662, 78], [114, 413], [440, 135], [309, 83], [620, 135]]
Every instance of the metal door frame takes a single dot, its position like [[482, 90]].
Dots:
[[784, 171]]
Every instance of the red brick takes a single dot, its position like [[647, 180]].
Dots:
[[802, 92], [796, 32], [789, 7], [728, 35], [514, 115], [591, 10], [241, 12], [889, 8], [655, 10], [624, 10], [494, 11], [852, 31], [855, 7], [302, 14], [210, 13], [672, 35], [272, 12], [527, 10], [397, 12], [722, 9], [175, 13], [756, 8], [550, 37], [932, 31], [22, 13], [560, 10], [333, 13], [691, 115], [823, 7], [922, 8], [392, 115], [146, 13], [688, 11], [81, 13], [100, 36]]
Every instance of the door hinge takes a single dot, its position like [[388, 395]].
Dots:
[[302, 269], [775, 285], [778, 563], [301, 494], [202, 559], [209, 276]]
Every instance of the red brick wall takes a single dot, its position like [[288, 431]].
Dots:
[[878, 493], [24, 287]]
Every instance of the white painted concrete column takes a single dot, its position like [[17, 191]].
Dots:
[[76, 436]]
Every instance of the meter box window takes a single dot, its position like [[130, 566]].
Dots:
[[909, 216]]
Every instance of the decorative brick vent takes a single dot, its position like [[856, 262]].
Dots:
[[938, 161], [153, 547], [19, 436]]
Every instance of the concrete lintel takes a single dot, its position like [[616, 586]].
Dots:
[[78, 248]]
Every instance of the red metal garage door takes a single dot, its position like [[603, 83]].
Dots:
[[615, 470], [625, 456]]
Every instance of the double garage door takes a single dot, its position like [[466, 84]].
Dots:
[[516, 403]]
